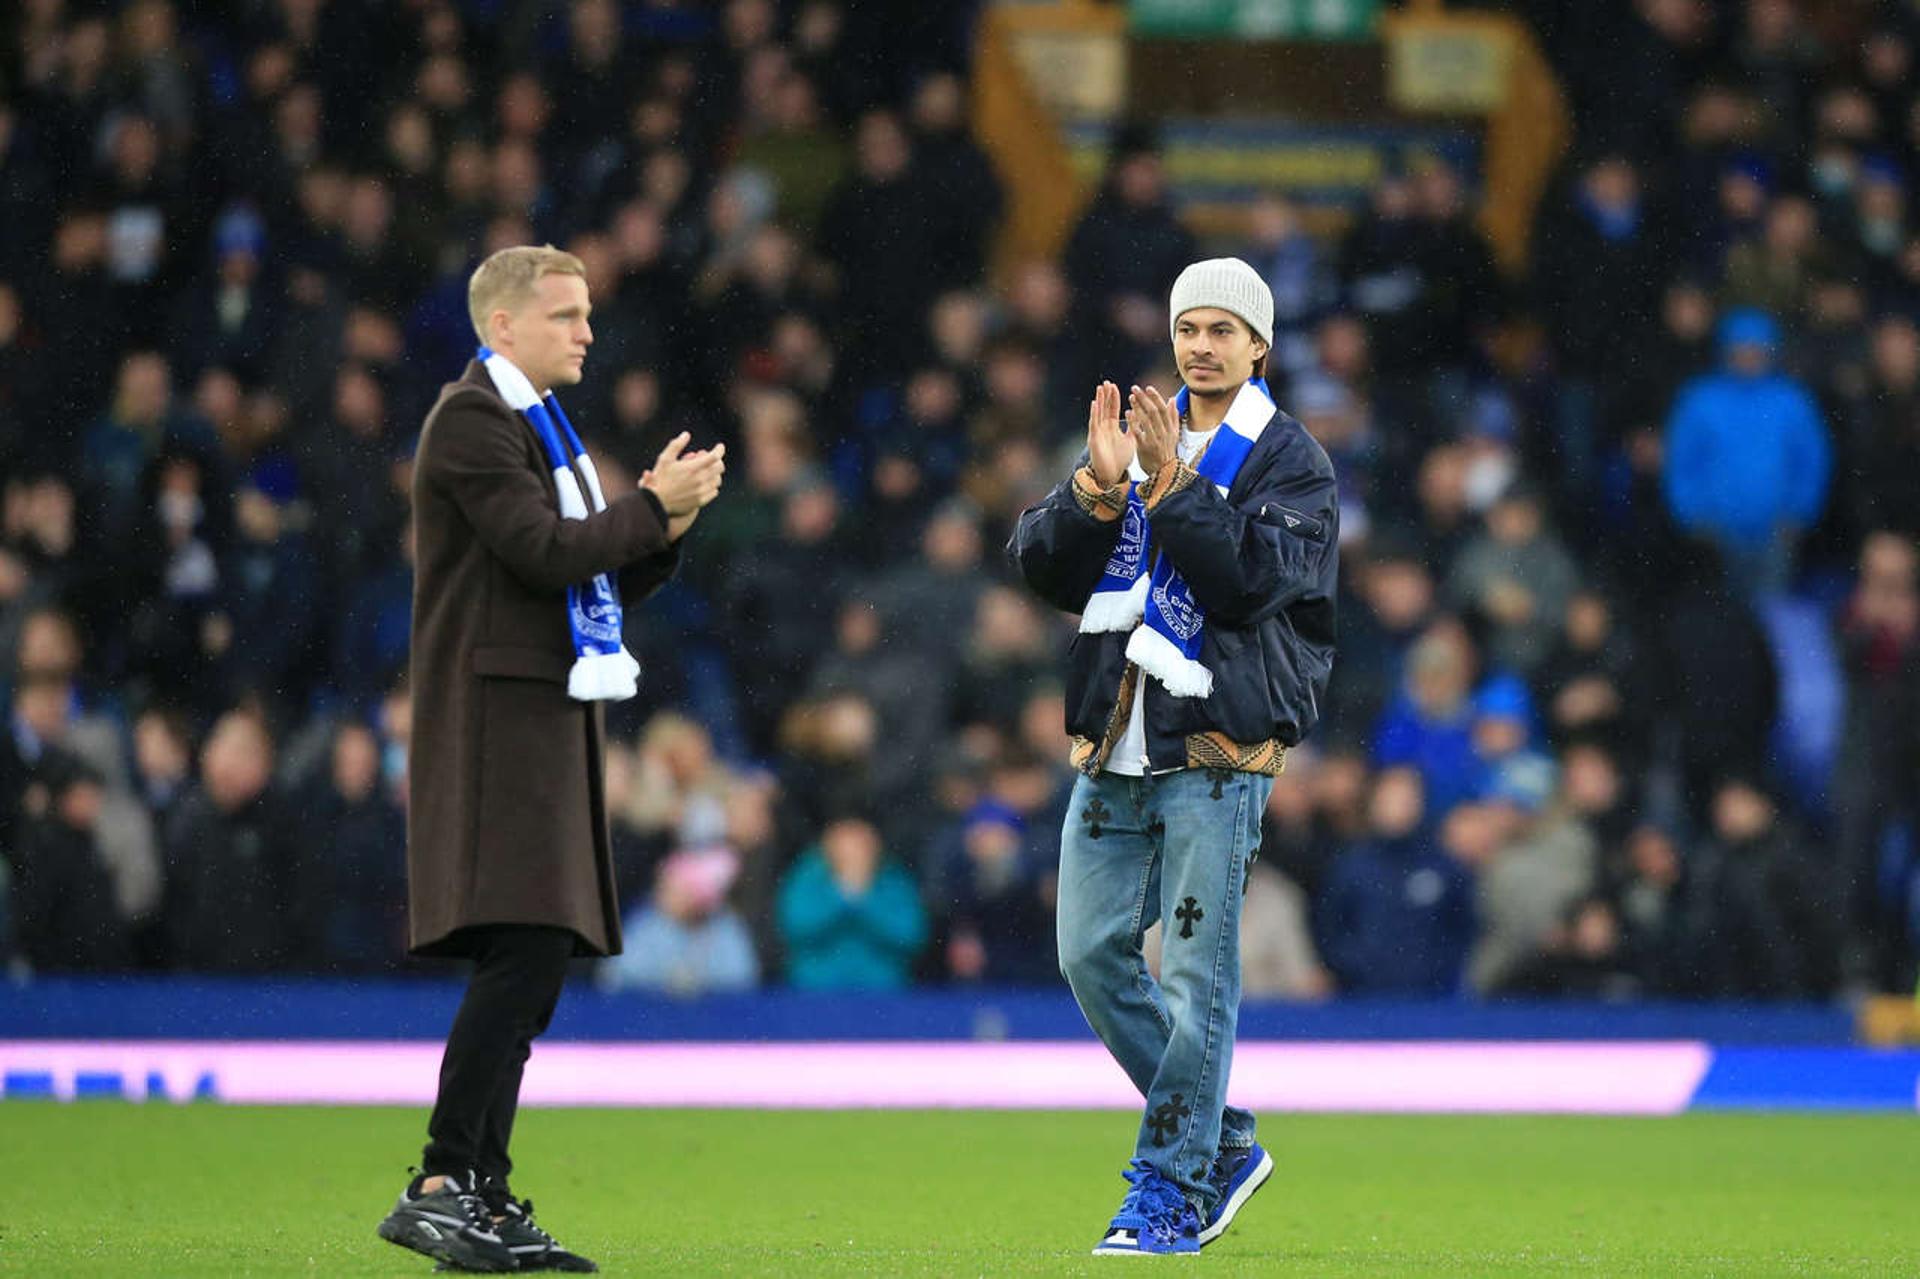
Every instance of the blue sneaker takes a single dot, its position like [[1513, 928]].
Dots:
[[1155, 1218], [1236, 1175]]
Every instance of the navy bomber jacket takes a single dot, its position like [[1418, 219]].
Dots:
[[1261, 561]]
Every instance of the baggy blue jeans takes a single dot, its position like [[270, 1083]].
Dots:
[[1177, 848]]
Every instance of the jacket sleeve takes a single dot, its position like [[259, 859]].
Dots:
[[1246, 563], [478, 460], [1061, 545], [644, 576]]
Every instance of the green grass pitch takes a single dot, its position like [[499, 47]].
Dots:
[[110, 1188]]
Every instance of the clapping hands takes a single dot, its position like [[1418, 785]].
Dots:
[[685, 482]]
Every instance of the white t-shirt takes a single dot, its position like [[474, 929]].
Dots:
[[1129, 756]]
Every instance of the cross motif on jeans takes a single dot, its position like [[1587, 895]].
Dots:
[[1166, 1117], [1189, 914], [1094, 814], [1219, 778]]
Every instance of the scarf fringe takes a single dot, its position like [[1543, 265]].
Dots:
[[604, 677], [1159, 657]]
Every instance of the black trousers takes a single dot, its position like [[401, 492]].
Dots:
[[517, 975]]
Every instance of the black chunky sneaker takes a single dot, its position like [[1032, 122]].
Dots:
[[451, 1225], [532, 1247]]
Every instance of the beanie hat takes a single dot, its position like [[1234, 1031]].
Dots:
[[1748, 326], [1230, 285]]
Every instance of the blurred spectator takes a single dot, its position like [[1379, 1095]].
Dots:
[[231, 859], [869, 661], [228, 317], [142, 425], [1343, 425], [1120, 260], [1390, 605], [64, 915], [349, 879], [780, 602], [994, 904], [1599, 266], [798, 149], [348, 463], [1396, 916], [931, 601], [1009, 653], [850, 916], [1880, 751], [1775, 272], [879, 233], [23, 375], [271, 599], [1294, 265], [1715, 678], [1433, 724], [177, 636], [1748, 458], [1668, 355], [162, 760], [371, 632], [680, 787], [1648, 895], [1592, 683], [1582, 957], [686, 940], [1518, 578], [773, 428], [72, 296], [1512, 766], [959, 178], [1758, 922], [1545, 863], [1884, 482]]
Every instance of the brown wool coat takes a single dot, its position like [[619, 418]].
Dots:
[[507, 816]]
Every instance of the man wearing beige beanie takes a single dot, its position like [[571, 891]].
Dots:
[[1197, 541]]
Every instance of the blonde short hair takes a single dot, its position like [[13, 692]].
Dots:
[[505, 280]]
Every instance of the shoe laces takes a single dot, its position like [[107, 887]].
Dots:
[[472, 1206], [1153, 1198], [523, 1209]]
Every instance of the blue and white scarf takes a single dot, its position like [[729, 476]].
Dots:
[[603, 669], [1157, 606]]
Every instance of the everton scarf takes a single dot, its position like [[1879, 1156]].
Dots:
[[603, 669], [1157, 606]]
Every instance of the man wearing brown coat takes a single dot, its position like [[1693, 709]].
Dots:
[[522, 568]]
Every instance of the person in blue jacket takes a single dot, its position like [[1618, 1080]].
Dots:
[[1747, 457], [1397, 914], [1199, 547]]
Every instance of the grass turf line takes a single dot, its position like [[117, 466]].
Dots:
[[109, 1188]]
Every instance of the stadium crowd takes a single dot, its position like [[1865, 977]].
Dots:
[[1628, 692]]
